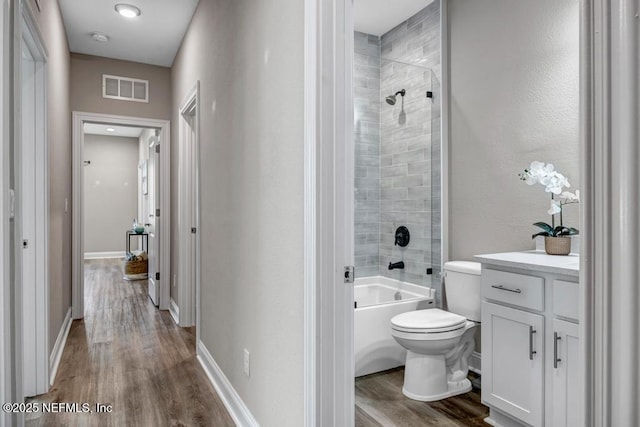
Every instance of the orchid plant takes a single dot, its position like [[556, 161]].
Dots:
[[553, 182]]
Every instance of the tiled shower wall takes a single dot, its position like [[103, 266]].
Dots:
[[415, 41], [408, 143]]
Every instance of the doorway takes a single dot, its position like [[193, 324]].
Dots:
[[33, 187], [184, 299], [157, 220]]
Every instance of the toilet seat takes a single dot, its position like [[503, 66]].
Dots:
[[428, 321]]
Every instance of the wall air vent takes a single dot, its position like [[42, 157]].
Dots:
[[125, 88]]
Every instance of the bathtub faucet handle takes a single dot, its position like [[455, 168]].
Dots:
[[394, 265]]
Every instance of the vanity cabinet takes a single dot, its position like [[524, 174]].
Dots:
[[530, 341], [512, 365]]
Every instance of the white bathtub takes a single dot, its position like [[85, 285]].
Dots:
[[377, 300]]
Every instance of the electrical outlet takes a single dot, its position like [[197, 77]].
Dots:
[[247, 364]]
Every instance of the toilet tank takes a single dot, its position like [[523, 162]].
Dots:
[[462, 288]]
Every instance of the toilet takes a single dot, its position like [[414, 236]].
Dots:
[[440, 342]]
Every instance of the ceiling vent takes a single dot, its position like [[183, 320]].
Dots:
[[125, 88]]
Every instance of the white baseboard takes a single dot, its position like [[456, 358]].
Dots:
[[175, 311], [58, 347], [232, 401], [101, 255], [475, 363]]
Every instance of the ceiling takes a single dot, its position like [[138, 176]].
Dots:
[[151, 38], [379, 16], [121, 131]]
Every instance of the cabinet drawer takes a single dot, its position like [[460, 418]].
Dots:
[[511, 288], [565, 299]]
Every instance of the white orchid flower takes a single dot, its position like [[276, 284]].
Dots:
[[555, 208], [569, 197]]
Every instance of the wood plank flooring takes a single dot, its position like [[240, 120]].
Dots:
[[131, 355], [380, 402]]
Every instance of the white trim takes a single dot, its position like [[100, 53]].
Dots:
[[58, 347], [35, 293], [332, 154], [103, 255], [310, 211], [611, 247], [78, 119], [6, 308], [174, 310], [189, 204], [230, 398]]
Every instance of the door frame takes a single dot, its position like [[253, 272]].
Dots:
[[7, 353], [37, 309], [609, 204], [328, 213], [189, 206], [77, 251]]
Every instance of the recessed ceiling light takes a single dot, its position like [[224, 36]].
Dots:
[[127, 10], [99, 37], [111, 130]]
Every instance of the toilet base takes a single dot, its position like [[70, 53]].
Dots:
[[454, 389], [426, 378]]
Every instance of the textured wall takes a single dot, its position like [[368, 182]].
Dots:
[[514, 99], [366, 88], [86, 90], [110, 191], [249, 58], [59, 138]]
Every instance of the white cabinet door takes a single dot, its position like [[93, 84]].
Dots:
[[566, 376], [512, 362]]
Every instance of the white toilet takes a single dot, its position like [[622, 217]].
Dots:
[[440, 342]]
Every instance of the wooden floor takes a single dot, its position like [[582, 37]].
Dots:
[[128, 354], [380, 402]]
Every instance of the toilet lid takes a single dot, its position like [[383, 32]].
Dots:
[[428, 321]]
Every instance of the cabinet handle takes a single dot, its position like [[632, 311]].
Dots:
[[556, 359], [531, 350], [503, 288]]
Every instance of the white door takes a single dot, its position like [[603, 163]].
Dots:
[[566, 393], [154, 220], [32, 197], [513, 378]]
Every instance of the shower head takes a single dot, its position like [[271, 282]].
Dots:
[[391, 99]]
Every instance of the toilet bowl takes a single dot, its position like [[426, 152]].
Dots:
[[440, 342], [436, 365]]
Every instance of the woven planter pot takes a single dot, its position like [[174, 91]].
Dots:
[[557, 245]]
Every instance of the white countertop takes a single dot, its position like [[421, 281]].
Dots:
[[568, 265]]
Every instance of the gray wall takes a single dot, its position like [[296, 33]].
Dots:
[[110, 191], [86, 90], [514, 99], [59, 139], [366, 97], [249, 58]]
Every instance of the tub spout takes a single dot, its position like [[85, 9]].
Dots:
[[394, 265]]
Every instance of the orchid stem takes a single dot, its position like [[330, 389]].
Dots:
[[553, 218]]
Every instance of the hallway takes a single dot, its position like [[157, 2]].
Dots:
[[128, 354]]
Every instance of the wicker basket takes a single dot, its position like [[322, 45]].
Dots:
[[557, 245], [136, 266]]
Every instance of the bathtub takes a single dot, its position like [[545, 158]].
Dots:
[[377, 300]]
